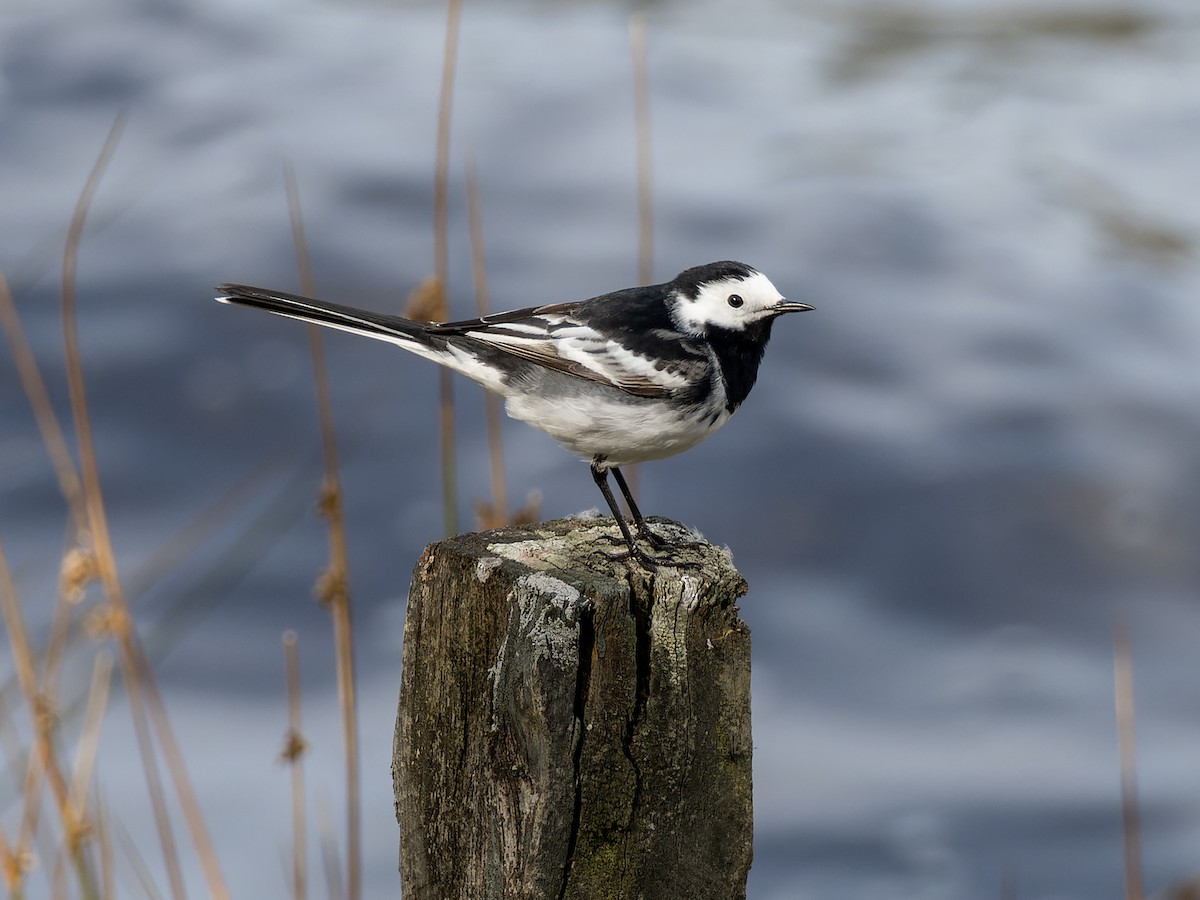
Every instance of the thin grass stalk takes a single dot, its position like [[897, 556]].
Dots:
[[96, 520], [81, 826], [645, 184], [97, 525], [58, 876], [1130, 823], [43, 410], [164, 559], [10, 738], [10, 867], [188, 803], [43, 761], [89, 736], [491, 403], [13, 859], [641, 118], [141, 871], [446, 445], [78, 565], [441, 174], [28, 788], [136, 676], [31, 806], [104, 843], [441, 261], [56, 643], [330, 863], [294, 756], [334, 588], [93, 501], [68, 478]]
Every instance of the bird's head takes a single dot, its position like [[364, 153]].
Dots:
[[730, 296]]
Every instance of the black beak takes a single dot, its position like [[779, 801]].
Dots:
[[787, 306]]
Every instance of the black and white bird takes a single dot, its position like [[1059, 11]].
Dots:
[[627, 377]]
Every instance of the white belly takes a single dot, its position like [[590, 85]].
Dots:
[[624, 430]]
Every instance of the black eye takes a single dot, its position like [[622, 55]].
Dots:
[[735, 300]]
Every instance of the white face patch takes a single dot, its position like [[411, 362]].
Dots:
[[731, 303]]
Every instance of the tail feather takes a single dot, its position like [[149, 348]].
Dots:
[[396, 329], [459, 352]]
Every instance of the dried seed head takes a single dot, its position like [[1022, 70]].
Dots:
[[331, 586], [106, 620], [79, 569], [329, 499], [45, 714], [427, 302], [294, 747]]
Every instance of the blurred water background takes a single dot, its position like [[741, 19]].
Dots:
[[953, 479]]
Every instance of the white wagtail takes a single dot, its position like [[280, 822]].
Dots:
[[622, 378]]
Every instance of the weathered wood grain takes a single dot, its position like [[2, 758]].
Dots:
[[571, 726]]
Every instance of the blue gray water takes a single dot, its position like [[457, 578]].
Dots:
[[979, 453]]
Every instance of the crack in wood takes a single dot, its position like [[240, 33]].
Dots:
[[587, 647], [640, 613]]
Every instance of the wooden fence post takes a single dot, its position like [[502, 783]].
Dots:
[[570, 726]]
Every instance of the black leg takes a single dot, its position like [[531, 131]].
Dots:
[[642, 526], [600, 475]]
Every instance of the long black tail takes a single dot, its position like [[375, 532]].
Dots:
[[405, 332]]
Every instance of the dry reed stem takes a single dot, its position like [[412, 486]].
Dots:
[[104, 843], [89, 738], [498, 513], [43, 410], [641, 118], [60, 635], [10, 866], [166, 557], [140, 870], [189, 804], [1130, 825], [97, 523], [330, 863], [31, 794], [42, 761], [58, 877], [135, 673], [645, 184], [95, 519], [21, 854], [426, 302], [294, 756], [334, 586], [446, 444], [74, 576], [60, 631], [441, 262], [441, 175], [13, 865]]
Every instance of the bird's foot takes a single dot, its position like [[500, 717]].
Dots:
[[644, 559], [661, 543], [646, 533], [648, 562]]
